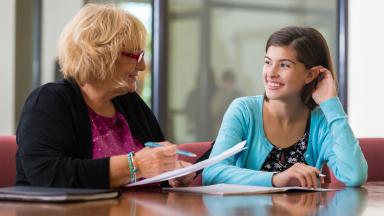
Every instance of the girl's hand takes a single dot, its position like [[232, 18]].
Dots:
[[326, 86], [297, 175]]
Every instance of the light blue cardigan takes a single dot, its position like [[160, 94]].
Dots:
[[331, 141]]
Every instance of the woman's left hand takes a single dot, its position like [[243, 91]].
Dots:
[[326, 86], [182, 181]]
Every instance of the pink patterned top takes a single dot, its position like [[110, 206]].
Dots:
[[111, 136]]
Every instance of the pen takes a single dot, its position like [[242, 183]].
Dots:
[[321, 175], [180, 152]]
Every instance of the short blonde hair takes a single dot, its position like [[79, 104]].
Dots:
[[92, 41]]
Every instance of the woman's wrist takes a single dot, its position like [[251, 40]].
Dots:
[[138, 173], [273, 179], [132, 167], [118, 171]]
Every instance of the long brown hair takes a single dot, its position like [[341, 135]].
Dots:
[[311, 49]]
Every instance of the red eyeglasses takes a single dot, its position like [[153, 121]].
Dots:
[[138, 57]]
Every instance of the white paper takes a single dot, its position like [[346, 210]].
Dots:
[[193, 168], [231, 189]]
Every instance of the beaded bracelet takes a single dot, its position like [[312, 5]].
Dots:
[[132, 168]]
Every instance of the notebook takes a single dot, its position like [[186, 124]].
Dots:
[[49, 194], [233, 189]]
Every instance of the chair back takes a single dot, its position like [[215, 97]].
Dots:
[[199, 148], [373, 149], [8, 149]]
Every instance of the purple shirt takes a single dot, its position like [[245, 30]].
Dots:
[[111, 136]]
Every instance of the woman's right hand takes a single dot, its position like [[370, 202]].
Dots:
[[154, 161], [297, 175]]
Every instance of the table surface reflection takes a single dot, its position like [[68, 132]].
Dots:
[[366, 200]]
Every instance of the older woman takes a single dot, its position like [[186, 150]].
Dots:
[[88, 130]]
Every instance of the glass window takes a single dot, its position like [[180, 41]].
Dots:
[[216, 52], [143, 11]]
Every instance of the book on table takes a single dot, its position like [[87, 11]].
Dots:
[[50, 194], [233, 189]]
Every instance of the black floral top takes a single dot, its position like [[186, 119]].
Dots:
[[280, 159]]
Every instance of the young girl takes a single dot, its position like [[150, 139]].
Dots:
[[296, 127]]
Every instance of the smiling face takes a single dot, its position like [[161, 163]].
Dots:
[[284, 76], [127, 70]]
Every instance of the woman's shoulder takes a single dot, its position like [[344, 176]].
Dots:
[[249, 101], [60, 86], [245, 106], [59, 91]]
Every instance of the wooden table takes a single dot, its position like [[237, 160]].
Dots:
[[367, 200]]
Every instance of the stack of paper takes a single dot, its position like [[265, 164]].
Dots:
[[231, 189], [193, 168]]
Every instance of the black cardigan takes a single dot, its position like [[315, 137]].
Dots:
[[55, 140]]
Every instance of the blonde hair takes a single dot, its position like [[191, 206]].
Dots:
[[92, 41]]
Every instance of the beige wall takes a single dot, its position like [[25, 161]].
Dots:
[[56, 13], [7, 66], [25, 15], [16, 30], [366, 73]]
